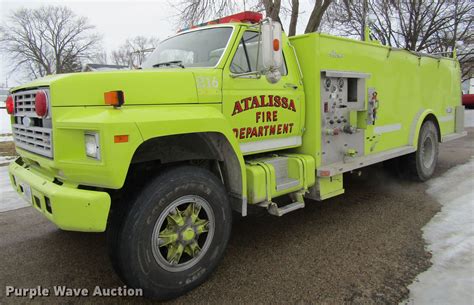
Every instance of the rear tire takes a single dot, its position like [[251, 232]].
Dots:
[[175, 233], [422, 164]]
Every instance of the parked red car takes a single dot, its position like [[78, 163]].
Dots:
[[468, 100]]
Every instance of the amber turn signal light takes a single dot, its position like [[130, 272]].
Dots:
[[276, 45], [121, 138], [114, 98]]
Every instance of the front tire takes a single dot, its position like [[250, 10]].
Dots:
[[175, 233]]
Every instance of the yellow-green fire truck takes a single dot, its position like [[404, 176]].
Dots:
[[221, 117]]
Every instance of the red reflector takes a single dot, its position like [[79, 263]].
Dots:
[[325, 173], [41, 103], [114, 98], [121, 138], [276, 44], [10, 105]]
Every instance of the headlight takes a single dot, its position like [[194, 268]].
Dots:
[[92, 145]]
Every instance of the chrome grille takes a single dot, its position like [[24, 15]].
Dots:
[[25, 103], [32, 134], [34, 139]]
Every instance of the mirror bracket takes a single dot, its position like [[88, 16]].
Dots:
[[252, 74]]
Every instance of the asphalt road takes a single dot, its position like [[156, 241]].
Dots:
[[363, 247]]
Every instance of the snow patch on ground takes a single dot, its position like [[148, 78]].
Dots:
[[9, 198], [6, 138], [5, 124], [6, 160], [450, 238], [469, 118]]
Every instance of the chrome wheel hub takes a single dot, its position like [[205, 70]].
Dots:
[[183, 233]]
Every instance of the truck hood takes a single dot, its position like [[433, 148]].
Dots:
[[156, 86]]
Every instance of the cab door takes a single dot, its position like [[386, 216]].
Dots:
[[264, 116]]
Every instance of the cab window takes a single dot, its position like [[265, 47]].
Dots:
[[245, 58], [198, 48]]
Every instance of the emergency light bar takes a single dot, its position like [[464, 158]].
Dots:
[[247, 16]]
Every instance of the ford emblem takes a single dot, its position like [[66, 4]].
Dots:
[[26, 121]]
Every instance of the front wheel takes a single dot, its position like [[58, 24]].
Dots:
[[175, 233]]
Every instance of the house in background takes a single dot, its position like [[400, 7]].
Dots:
[[3, 96], [468, 86], [5, 126]]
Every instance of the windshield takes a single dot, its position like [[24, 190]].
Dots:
[[202, 48]]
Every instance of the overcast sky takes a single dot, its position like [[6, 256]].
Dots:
[[115, 21]]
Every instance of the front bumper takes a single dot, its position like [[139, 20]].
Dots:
[[68, 207]]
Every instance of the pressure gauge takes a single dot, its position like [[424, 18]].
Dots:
[[327, 83], [340, 83]]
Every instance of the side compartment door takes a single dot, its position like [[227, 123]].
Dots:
[[264, 116]]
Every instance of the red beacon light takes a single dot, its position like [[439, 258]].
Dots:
[[10, 105], [246, 16], [41, 103]]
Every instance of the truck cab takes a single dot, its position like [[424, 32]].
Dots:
[[228, 68]]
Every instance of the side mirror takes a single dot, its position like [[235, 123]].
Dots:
[[272, 55]]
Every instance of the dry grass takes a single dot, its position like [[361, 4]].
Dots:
[[7, 149]]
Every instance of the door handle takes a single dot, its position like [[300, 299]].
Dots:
[[289, 85]]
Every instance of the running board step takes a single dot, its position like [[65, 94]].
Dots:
[[283, 181], [276, 211], [286, 183]]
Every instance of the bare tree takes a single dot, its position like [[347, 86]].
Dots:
[[457, 35], [416, 25], [420, 20], [410, 24], [295, 4], [192, 12], [349, 18], [47, 40], [99, 58], [272, 8], [133, 52], [197, 11], [320, 7]]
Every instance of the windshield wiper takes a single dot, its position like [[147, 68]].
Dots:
[[169, 63]]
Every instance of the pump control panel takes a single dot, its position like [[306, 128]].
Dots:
[[342, 96]]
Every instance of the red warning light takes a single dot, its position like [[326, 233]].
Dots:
[[247, 16]]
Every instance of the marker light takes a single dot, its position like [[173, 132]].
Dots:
[[92, 145], [276, 44], [121, 138], [10, 105], [325, 173], [114, 98], [41, 103]]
